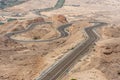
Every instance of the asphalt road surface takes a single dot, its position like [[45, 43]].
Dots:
[[61, 30], [65, 64], [69, 60]]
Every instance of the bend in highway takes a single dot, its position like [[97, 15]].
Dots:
[[65, 64], [60, 29]]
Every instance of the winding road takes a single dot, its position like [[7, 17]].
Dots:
[[69, 60], [65, 63], [61, 30]]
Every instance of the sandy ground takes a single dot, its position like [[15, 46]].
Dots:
[[102, 63], [92, 74], [31, 4], [30, 59], [107, 10], [25, 9]]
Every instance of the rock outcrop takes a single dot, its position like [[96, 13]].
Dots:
[[58, 20], [39, 19]]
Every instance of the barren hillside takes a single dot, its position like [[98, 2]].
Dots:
[[30, 59], [103, 62], [21, 60]]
